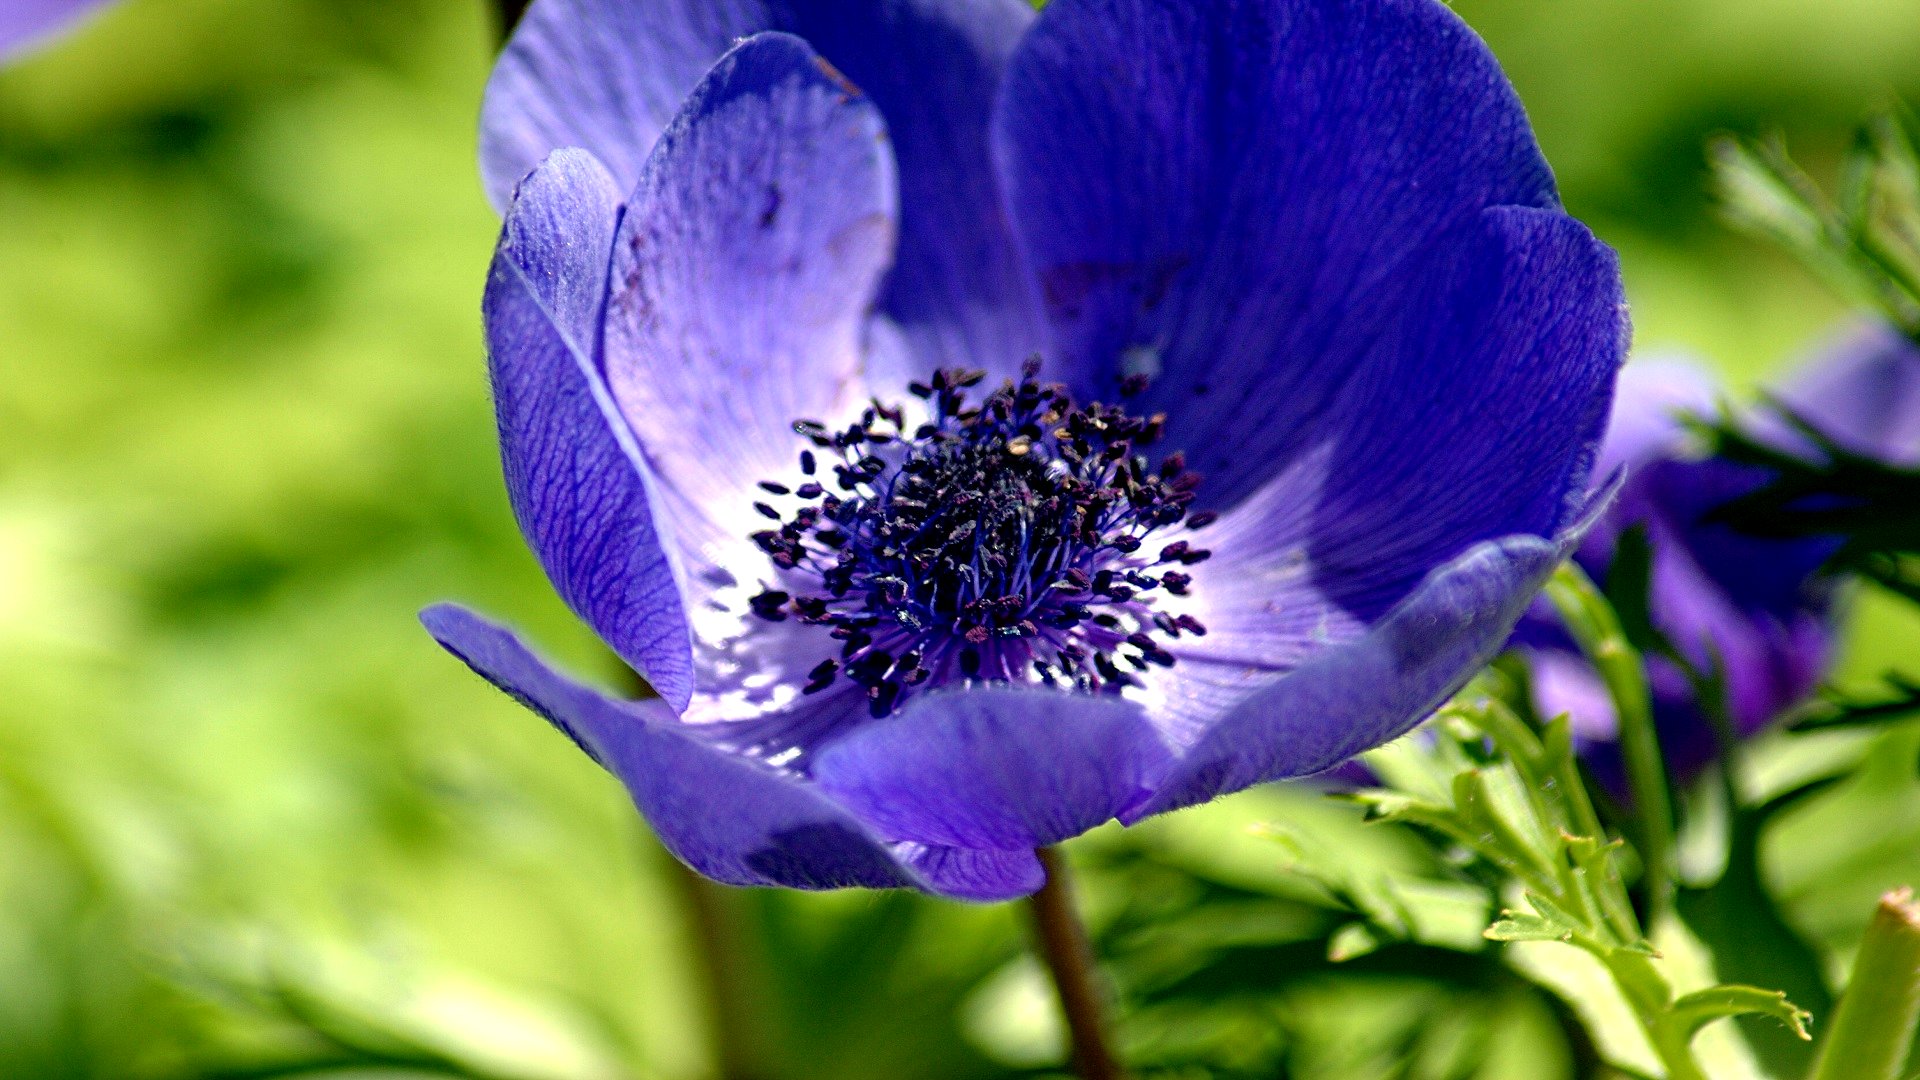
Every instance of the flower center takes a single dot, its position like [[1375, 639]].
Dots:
[[1005, 541]]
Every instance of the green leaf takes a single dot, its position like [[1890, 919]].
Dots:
[[1629, 589], [1552, 911], [1751, 940], [1836, 710], [1367, 893], [1351, 942], [1865, 242], [1494, 832], [1519, 926], [1702, 1007]]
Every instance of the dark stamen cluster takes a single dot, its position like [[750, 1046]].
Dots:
[[1006, 541]]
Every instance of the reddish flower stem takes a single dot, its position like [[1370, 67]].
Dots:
[[721, 969], [1064, 948]]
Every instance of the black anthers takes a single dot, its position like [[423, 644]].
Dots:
[[1003, 541]]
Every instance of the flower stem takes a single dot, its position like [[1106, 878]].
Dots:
[[1594, 625], [1068, 956], [721, 970], [1873, 1027]]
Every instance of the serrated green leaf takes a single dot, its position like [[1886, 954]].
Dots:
[[1702, 1007], [1741, 924], [1554, 913], [1556, 741], [1865, 242], [1759, 194], [1386, 804], [1590, 619], [1494, 834], [1519, 926], [1369, 894], [1594, 860]]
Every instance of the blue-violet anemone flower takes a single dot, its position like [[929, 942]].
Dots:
[[994, 424], [1754, 613], [29, 24]]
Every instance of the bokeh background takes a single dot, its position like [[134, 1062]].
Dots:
[[253, 823]]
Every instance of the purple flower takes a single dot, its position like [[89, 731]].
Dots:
[[914, 605], [28, 24], [1756, 610]]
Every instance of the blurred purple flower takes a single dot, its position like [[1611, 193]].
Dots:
[[28, 24], [1757, 610], [1311, 244]]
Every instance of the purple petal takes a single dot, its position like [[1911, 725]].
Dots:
[[1753, 608], [742, 274], [30, 24], [1696, 554], [609, 75], [1220, 195], [1478, 415], [1865, 392], [573, 474], [1756, 608], [969, 874], [1524, 322], [1354, 695], [732, 818], [995, 767], [1563, 683], [1649, 401]]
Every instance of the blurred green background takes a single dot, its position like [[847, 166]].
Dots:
[[252, 822]]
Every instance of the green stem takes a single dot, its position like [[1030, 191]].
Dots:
[[1593, 624], [1062, 941], [1874, 1024], [1651, 998]]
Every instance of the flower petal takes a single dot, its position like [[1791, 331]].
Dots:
[[1563, 683], [1865, 392], [1219, 195], [574, 477], [1649, 400], [729, 817], [1356, 695], [609, 75], [1756, 608], [974, 874], [1697, 555], [1371, 523], [995, 767], [1523, 322], [742, 275], [1478, 415], [28, 24]]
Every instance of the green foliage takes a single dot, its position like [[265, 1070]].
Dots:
[[1865, 239], [1233, 962], [1591, 620], [1739, 920], [1511, 800]]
